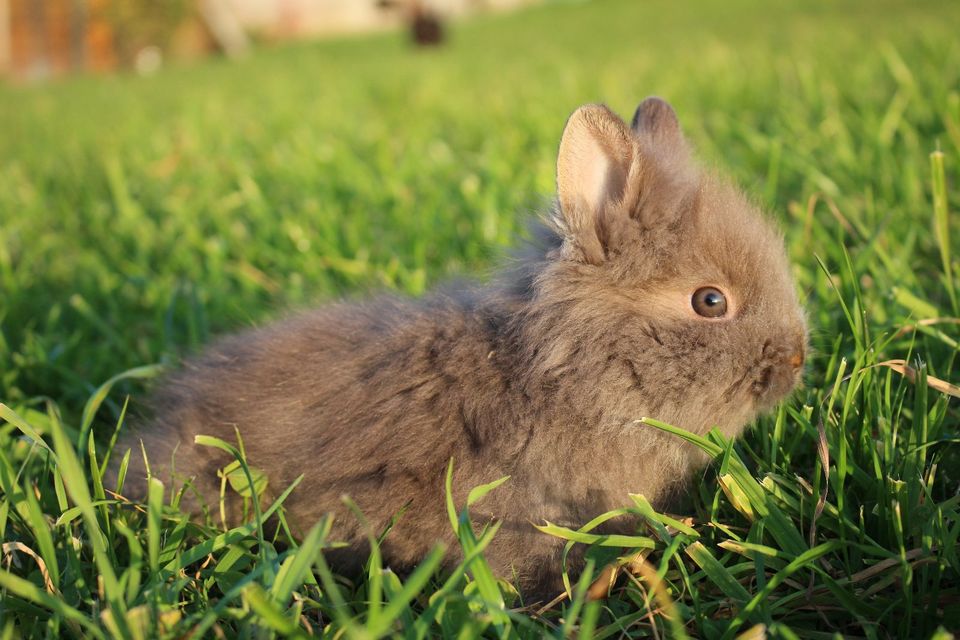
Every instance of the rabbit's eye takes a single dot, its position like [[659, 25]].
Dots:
[[709, 302]]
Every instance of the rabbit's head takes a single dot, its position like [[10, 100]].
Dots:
[[665, 284]]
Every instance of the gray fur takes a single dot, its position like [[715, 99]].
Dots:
[[540, 376]]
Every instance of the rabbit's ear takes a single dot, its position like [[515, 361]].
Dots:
[[656, 121], [596, 154]]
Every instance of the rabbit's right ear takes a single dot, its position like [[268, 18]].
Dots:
[[656, 120], [597, 152]]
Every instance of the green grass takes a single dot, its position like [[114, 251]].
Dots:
[[139, 217]]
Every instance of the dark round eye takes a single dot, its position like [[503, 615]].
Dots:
[[709, 302]]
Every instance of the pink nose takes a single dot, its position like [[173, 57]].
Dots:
[[797, 358]]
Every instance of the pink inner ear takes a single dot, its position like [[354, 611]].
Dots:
[[599, 178], [594, 169], [595, 158]]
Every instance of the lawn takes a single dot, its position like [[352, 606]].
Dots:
[[141, 217]]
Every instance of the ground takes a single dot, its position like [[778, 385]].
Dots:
[[140, 217]]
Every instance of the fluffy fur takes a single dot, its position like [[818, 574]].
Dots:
[[540, 376]]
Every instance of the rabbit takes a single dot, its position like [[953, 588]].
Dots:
[[653, 288]]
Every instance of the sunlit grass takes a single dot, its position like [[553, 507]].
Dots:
[[141, 216]]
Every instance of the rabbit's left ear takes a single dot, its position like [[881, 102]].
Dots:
[[594, 164]]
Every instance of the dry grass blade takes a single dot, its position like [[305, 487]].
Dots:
[[808, 217], [901, 367], [839, 217], [600, 587], [640, 566], [823, 450], [127, 502], [889, 563], [550, 605], [651, 613], [756, 632], [914, 557], [926, 322], [10, 547]]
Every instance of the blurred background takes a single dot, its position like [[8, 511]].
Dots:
[[172, 171], [42, 38]]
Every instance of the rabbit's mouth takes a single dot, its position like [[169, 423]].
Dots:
[[774, 382], [776, 373]]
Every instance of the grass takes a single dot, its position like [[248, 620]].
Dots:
[[141, 216]]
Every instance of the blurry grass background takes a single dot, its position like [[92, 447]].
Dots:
[[139, 217]]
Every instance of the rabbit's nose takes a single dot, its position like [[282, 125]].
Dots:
[[798, 357]]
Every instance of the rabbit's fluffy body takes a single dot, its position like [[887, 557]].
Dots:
[[541, 375]]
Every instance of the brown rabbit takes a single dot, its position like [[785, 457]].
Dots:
[[655, 290]]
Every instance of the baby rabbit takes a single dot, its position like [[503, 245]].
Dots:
[[655, 289]]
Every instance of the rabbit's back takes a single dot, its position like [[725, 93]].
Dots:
[[369, 400]]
